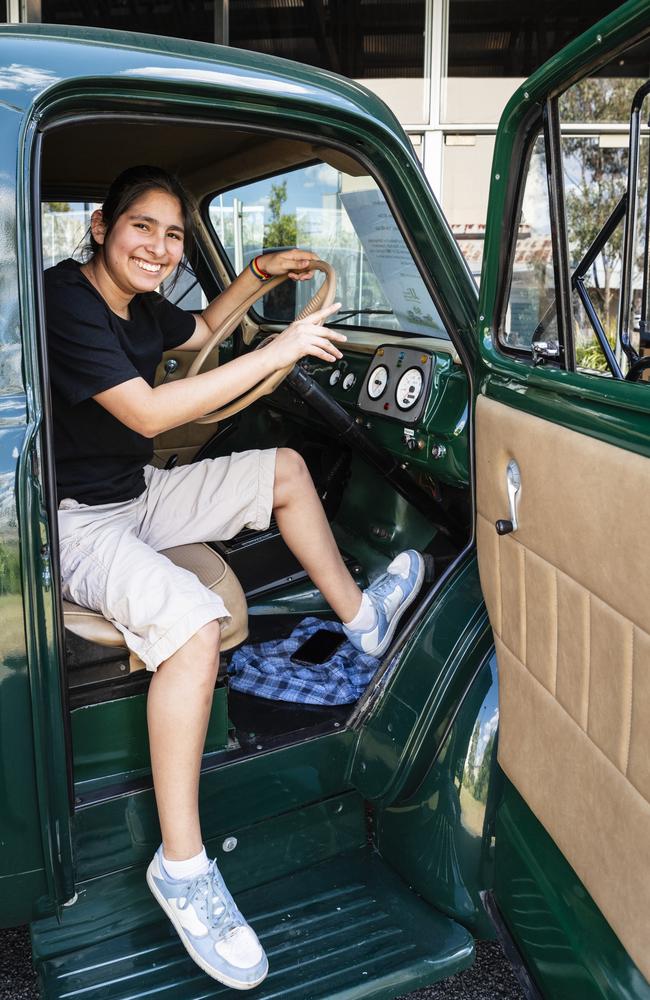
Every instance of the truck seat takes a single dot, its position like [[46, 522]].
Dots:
[[212, 571]]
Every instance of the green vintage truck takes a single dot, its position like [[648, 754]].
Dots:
[[506, 435]]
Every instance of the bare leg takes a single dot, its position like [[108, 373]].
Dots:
[[306, 531], [178, 710]]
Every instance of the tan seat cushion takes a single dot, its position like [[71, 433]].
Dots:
[[213, 573]]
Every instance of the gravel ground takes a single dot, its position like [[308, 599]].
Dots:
[[17, 981], [489, 978]]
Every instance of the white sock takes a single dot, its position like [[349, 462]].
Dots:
[[365, 617], [189, 868]]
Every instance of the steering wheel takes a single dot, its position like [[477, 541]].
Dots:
[[637, 368], [323, 297]]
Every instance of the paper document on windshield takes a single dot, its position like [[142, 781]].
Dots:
[[391, 262]]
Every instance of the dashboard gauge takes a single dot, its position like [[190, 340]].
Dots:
[[349, 380], [377, 381], [335, 376], [409, 388]]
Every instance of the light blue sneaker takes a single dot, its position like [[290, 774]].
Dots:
[[390, 594], [210, 926]]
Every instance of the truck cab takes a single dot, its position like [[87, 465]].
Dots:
[[489, 775]]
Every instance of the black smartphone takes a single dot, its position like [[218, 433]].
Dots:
[[318, 647]]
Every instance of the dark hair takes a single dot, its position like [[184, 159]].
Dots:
[[130, 185]]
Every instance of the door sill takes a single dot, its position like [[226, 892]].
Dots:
[[344, 929]]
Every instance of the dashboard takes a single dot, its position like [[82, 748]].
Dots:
[[411, 398]]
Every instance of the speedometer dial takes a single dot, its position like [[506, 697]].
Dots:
[[377, 381], [409, 388]]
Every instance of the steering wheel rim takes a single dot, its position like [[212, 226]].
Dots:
[[323, 297], [637, 368]]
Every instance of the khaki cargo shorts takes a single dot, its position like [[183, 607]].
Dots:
[[110, 553]]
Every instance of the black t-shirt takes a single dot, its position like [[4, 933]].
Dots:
[[98, 458]]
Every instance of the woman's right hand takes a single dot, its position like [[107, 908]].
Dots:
[[307, 337]]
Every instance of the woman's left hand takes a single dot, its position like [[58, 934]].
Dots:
[[294, 263]]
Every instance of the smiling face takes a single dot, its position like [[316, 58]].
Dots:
[[142, 248]]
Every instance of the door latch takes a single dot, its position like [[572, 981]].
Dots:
[[545, 350], [513, 487]]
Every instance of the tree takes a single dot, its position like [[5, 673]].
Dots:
[[57, 206], [282, 230]]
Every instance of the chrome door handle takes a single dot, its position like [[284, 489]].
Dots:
[[513, 487]]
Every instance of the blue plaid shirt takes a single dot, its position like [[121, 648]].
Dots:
[[266, 670]]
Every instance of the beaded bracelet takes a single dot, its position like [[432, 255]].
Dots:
[[258, 271]]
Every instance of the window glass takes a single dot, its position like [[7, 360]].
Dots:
[[595, 177], [465, 189], [379, 42], [65, 226], [345, 220], [532, 292], [493, 46]]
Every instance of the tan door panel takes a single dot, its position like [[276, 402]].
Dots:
[[183, 441], [568, 597]]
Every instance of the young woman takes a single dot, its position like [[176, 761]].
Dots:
[[107, 330]]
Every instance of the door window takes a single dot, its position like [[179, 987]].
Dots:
[[531, 302], [346, 220]]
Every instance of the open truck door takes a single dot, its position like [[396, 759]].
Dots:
[[562, 431]]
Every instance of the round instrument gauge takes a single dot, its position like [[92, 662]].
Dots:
[[409, 388], [349, 381], [377, 381], [335, 376]]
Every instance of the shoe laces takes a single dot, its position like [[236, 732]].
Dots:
[[210, 891], [384, 586]]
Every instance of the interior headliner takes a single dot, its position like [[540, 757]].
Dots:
[[85, 156]]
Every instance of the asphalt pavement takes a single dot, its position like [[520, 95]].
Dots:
[[490, 978]]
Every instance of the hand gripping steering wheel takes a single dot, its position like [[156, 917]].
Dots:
[[323, 297]]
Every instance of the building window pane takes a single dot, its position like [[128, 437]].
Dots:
[[378, 42], [192, 19], [465, 188], [3, 11], [494, 46]]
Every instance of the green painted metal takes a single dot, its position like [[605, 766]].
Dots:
[[120, 829], [441, 837], [110, 739], [569, 946], [406, 727], [26, 832], [345, 930], [267, 850], [41, 604]]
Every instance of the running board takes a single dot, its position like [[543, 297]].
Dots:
[[346, 929]]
